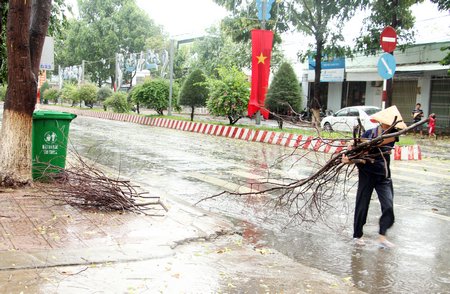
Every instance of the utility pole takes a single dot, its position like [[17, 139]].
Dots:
[[171, 54]]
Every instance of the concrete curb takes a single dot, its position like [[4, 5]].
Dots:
[[262, 136]]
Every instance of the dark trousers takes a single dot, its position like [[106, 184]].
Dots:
[[383, 186]]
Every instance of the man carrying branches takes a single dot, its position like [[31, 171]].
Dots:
[[374, 173]]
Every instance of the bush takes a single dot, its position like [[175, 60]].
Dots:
[[104, 93], [284, 92], [51, 95], [229, 94], [69, 94], [118, 102], [45, 86], [3, 92], [154, 94], [194, 91], [88, 94]]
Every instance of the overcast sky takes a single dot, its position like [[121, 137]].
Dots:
[[193, 16]]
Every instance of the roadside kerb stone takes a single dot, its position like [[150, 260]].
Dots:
[[261, 136]]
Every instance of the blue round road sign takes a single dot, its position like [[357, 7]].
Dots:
[[386, 66]]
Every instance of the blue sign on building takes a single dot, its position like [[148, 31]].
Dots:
[[327, 63], [332, 69]]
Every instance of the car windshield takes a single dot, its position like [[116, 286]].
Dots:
[[371, 110]]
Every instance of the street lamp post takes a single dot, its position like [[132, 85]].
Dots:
[[171, 54]]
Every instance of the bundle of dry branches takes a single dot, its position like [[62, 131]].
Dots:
[[86, 186], [307, 199]]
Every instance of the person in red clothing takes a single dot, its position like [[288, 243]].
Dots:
[[431, 125]]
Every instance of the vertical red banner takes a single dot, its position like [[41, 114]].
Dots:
[[261, 51]]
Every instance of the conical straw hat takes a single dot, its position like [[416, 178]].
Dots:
[[387, 116]]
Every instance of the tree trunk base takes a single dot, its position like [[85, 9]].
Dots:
[[8, 180], [15, 149]]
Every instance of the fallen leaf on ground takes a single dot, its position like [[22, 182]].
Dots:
[[223, 250]]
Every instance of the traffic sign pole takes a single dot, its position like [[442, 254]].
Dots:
[[387, 64]]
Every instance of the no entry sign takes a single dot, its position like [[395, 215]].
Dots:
[[388, 39]]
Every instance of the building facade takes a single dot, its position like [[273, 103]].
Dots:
[[419, 78]]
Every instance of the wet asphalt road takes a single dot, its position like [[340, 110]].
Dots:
[[192, 166]]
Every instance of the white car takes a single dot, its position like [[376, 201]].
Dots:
[[346, 118]]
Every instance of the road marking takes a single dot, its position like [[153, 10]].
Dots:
[[260, 179], [428, 174], [425, 166], [228, 186], [421, 181], [425, 213]]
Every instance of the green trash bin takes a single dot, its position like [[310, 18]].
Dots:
[[49, 142]]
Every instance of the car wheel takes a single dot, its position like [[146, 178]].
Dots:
[[327, 127]]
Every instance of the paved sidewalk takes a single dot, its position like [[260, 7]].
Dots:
[[49, 248], [31, 223]]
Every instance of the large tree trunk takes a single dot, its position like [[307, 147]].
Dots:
[[3, 4], [26, 28]]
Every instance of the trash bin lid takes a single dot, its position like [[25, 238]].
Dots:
[[50, 114]]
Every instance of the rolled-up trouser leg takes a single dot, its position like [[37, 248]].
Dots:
[[385, 193], [363, 195]]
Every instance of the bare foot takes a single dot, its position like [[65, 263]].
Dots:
[[359, 241], [384, 243]]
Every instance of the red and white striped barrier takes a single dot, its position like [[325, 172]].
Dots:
[[263, 136], [407, 153]]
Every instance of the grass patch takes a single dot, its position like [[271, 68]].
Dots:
[[405, 140]]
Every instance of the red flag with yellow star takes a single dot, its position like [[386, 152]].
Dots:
[[261, 49]]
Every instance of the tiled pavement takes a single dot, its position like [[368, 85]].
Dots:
[[32, 222]]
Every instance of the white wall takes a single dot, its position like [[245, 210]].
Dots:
[[305, 86], [423, 96], [373, 95]]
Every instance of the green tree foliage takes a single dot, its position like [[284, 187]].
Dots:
[[88, 94], [228, 94], [442, 4], [194, 91], [322, 20], [58, 21], [104, 28], [384, 13], [118, 102], [51, 95], [2, 92], [69, 93], [104, 93], [244, 19], [181, 63], [284, 92], [217, 49], [154, 94]]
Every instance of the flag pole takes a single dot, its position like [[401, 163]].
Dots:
[[263, 26]]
